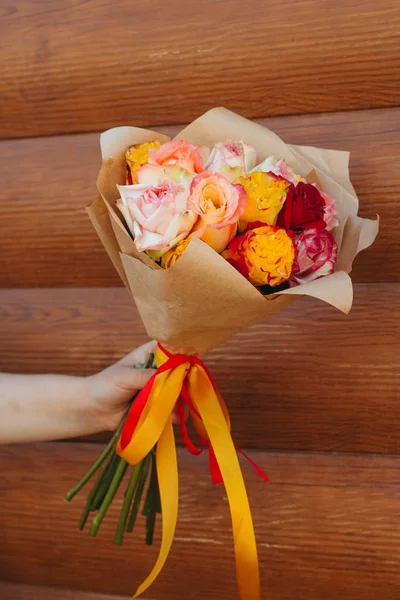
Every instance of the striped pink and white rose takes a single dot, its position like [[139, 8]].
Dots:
[[316, 253]]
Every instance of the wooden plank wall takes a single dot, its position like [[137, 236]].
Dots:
[[327, 529], [85, 65], [313, 395]]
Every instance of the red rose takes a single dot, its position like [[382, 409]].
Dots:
[[304, 207]]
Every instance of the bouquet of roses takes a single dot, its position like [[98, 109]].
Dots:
[[267, 221], [211, 232]]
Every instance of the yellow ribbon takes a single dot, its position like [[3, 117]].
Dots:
[[154, 427]]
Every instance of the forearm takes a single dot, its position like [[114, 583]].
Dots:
[[44, 407]]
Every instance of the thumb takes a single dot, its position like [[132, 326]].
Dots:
[[132, 379]]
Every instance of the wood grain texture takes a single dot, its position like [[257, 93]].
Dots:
[[327, 527], [20, 591], [155, 63], [48, 240], [310, 378]]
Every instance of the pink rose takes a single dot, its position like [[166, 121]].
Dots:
[[316, 253], [157, 215], [279, 167], [329, 212], [218, 205], [231, 159], [179, 153]]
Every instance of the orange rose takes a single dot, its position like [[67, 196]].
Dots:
[[169, 258], [264, 255], [266, 194]]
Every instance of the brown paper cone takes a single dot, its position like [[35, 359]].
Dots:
[[201, 301]]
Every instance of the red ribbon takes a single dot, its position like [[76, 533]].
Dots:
[[175, 360]]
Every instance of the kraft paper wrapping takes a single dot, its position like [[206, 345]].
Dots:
[[201, 301]]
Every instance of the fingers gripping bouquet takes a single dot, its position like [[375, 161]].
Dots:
[[211, 232]]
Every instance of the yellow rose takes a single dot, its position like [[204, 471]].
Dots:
[[264, 255], [169, 258], [137, 156], [266, 194]]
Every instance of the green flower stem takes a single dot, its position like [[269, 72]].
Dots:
[[94, 497], [104, 483], [139, 493], [150, 490], [100, 488], [84, 516], [96, 465], [127, 504], [152, 502], [119, 473], [150, 524]]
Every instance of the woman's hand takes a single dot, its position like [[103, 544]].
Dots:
[[50, 407], [110, 391]]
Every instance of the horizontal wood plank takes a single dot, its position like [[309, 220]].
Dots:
[[310, 378], [154, 63], [48, 240], [20, 591], [327, 527]]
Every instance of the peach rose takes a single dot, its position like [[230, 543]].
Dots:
[[157, 215], [231, 159], [180, 153], [218, 205], [263, 255]]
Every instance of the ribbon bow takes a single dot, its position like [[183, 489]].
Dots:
[[185, 379]]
